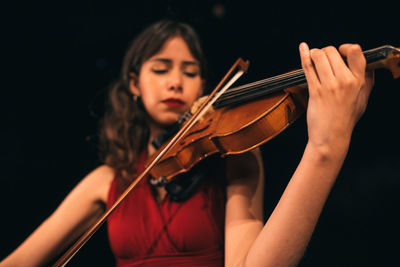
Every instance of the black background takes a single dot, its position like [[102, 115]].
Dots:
[[59, 58]]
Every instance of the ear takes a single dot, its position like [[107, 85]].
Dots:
[[133, 81]]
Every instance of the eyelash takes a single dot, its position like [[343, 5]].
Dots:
[[160, 71], [189, 74]]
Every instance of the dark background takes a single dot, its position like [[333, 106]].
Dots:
[[59, 58]]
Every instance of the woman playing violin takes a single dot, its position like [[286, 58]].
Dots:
[[221, 222]]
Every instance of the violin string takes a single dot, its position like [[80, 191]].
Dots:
[[265, 88], [274, 80], [268, 81], [263, 83], [260, 88]]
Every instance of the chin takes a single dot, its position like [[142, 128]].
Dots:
[[167, 118], [167, 121]]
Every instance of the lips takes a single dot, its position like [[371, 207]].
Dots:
[[173, 102]]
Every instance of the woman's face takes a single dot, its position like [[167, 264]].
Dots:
[[169, 82]]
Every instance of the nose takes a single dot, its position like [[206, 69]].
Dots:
[[175, 81]]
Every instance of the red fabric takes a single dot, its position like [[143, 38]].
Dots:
[[145, 233]]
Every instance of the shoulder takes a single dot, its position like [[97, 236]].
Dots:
[[244, 168], [245, 181], [99, 182], [102, 172]]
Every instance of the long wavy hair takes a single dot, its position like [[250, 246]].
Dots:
[[124, 130]]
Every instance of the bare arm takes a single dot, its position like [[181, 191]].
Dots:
[[75, 214], [244, 207], [338, 97]]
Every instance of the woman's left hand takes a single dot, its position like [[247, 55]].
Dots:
[[338, 92]]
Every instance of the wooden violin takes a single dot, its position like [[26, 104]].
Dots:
[[247, 116], [233, 121]]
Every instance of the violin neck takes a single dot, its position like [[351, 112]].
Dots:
[[375, 59], [252, 91]]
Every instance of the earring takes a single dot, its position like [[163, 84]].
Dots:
[[135, 98]]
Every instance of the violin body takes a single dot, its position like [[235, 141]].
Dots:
[[234, 129]]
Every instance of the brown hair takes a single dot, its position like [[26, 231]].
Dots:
[[124, 129]]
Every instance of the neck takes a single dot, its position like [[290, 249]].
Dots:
[[155, 130]]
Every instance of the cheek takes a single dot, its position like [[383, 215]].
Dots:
[[148, 103], [195, 89], [149, 89], [150, 100]]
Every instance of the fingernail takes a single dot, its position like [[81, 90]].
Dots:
[[304, 46]]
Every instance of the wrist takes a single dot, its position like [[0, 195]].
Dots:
[[335, 150]]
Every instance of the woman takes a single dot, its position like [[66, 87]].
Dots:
[[222, 219]]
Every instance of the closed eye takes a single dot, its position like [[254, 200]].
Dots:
[[159, 71], [191, 74]]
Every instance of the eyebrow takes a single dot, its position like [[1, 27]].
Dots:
[[169, 61]]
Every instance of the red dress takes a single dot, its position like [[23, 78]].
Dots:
[[145, 233]]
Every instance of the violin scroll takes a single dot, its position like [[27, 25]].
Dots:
[[386, 56]]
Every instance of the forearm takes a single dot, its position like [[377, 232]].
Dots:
[[288, 230], [76, 213], [48, 240]]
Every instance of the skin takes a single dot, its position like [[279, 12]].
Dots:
[[171, 73], [338, 97]]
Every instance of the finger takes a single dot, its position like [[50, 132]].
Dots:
[[336, 61], [367, 85], [308, 66], [322, 67], [370, 78], [355, 59], [369, 81]]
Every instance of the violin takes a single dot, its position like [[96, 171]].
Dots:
[[232, 121], [250, 115]]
